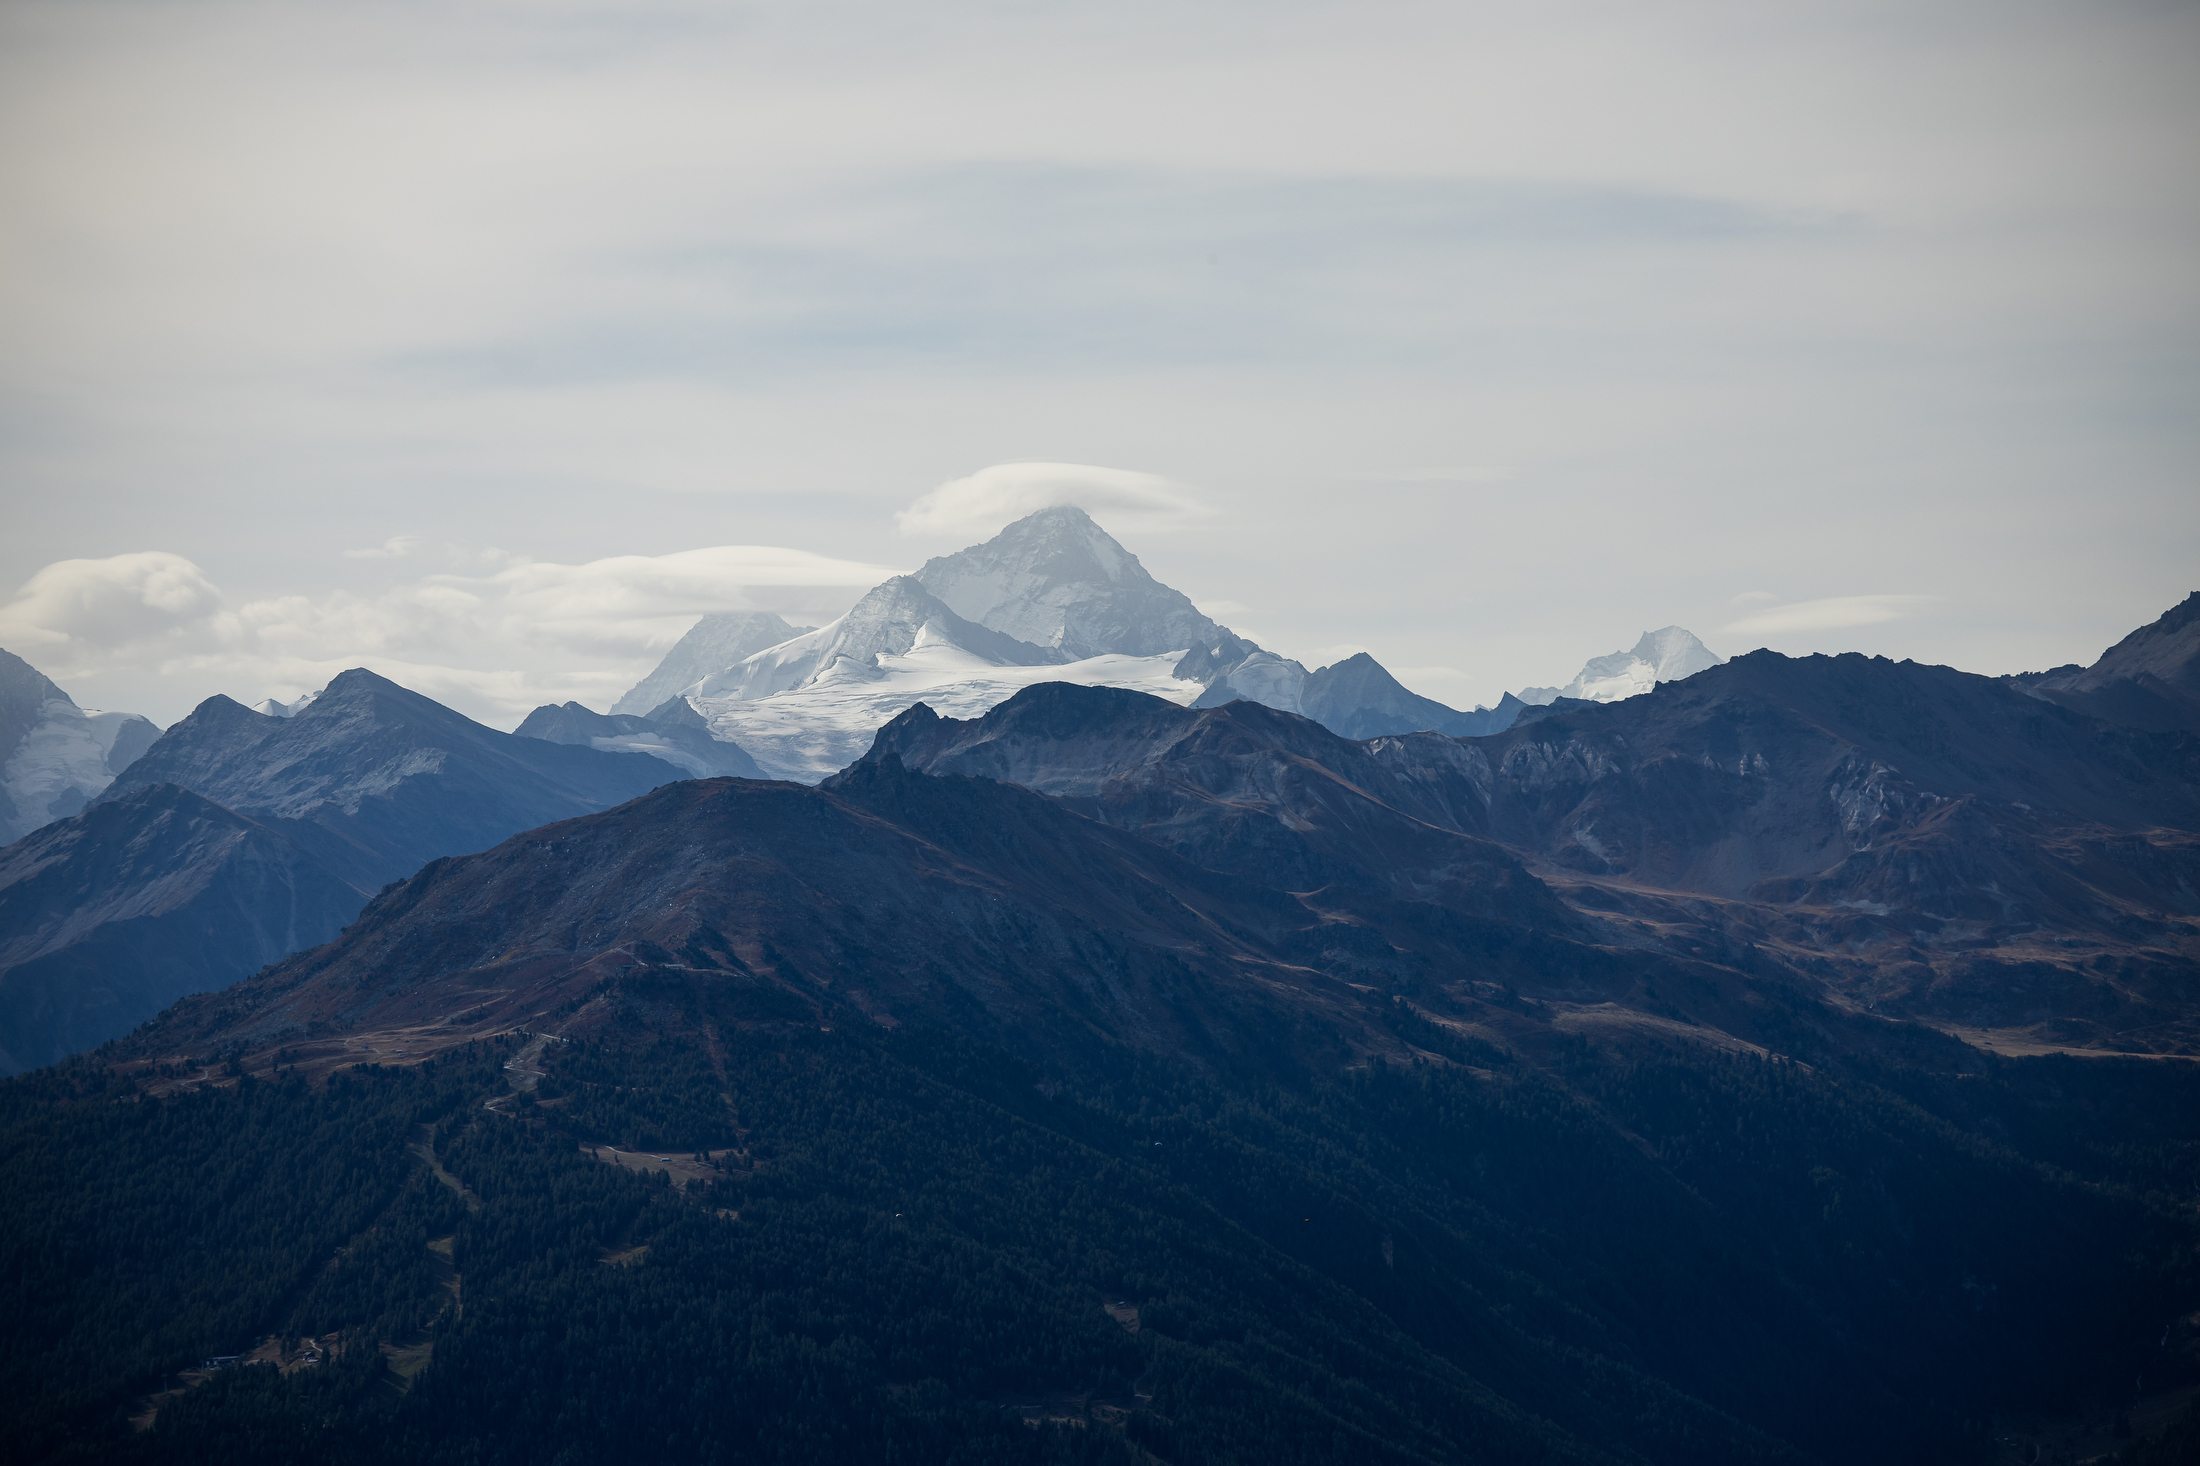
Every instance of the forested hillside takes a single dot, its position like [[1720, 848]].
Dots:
[[903, 1246]]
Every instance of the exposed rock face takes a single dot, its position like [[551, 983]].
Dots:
[[1927, 840], [107, 918], [711, 645], [887, 622], [56, 757], [1250, 790], [2150, 679], [1058, 580], [684, 742]]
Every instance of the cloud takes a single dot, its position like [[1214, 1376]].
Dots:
[[1834, 613], [492, 644], [114, 602], [396, 547], [980, 504]]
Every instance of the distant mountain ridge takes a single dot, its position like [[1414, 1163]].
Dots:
[[2150, 679], [238, 838], [108, 917], [683, 742], [1052, 590]]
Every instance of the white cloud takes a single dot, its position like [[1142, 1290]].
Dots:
[[396, 547], [492, 645], [980, 504], [118, 601], [1834, 613]]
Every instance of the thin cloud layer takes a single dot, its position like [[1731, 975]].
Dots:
[[1833, 613], [979, 504], [493, 644]]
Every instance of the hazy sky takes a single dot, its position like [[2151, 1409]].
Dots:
[[487, 344]]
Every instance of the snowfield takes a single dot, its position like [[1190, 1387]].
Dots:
[[819, 729]]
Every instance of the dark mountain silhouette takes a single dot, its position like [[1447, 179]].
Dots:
[[1930, 840], [1358, 698], [1236, 1089], [110, 916], [1923, 839], [957, 903], [239, 838], [2150, 679]]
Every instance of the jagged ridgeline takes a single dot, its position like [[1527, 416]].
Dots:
[[1085, 1073], [841, 1243]]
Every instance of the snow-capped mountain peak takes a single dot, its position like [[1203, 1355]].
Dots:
[[268, 707], [1665, 655], [891, 620], [55, 757], [1056, 579], [718, 641]]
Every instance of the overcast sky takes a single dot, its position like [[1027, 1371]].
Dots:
[[488, 344]]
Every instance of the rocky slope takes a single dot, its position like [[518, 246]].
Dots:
[[2150, 679], [238, 838], [956, 903], [1920, 839], [108, 917]]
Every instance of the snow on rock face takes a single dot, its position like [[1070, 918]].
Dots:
[[1263, 677], [54, 756], [889, 621], [1661, 656], [712, 645], [825, 726], [1056, 579], [268, 707]]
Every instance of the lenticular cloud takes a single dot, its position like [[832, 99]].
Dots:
[[984, 501]]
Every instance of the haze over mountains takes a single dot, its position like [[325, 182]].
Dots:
[[1237, 1060], [238, 838]]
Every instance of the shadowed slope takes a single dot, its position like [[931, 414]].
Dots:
[[108, 917]]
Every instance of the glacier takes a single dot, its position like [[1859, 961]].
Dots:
[[58, 757]]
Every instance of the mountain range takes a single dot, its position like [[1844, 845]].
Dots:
[[237, 838], [1100, 1064], [1324, 1063], [1051, 591]]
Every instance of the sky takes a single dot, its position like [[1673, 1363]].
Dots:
[[488, 343]]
